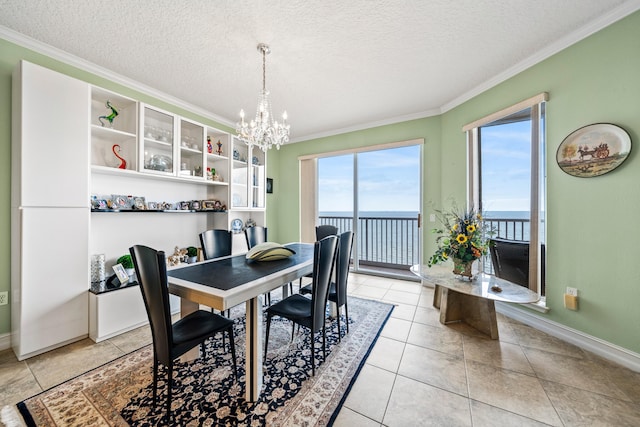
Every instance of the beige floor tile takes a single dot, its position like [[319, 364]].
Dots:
[[370, 292], [18, 383], [396, 329], [402, 297], [432, 367], [405, 286], [386, 354], [582, 408], [436, 338], [497, 353], [370, 393], [133, 340], [349, 418], [570, 371], [489, 416], [59, 365], [530, 337], [378, 282], [511, 391], [426, 300], [402, 311], [427, 316], [413, 403]]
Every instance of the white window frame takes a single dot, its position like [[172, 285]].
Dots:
[[537, 175]]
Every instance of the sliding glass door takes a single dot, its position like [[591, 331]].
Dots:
[[377, 195]]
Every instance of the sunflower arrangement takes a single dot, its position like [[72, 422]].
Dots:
[[462, 238]]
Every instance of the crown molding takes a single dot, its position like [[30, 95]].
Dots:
[[368, 125], [84, 65]]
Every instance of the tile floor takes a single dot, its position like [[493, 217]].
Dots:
[[420, 373]]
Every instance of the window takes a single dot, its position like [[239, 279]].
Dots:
[[507, 178]]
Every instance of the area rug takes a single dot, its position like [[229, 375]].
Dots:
[[205, 391]]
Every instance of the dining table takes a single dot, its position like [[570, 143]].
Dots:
[[225, 282]]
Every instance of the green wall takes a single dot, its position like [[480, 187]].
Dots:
[[591, 228], [592, 237]]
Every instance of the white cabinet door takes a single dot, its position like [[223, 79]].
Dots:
[[51, 134], [55, 278]]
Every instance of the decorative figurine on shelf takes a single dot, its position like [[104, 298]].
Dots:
[[111, 116], [123, 162], [219, 150], [209, 145]]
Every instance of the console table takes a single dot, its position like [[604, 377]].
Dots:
[[471, 301]]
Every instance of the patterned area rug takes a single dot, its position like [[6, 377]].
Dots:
[[205, 391]]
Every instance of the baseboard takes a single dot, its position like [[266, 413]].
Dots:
[[607, 350], [5, 342]]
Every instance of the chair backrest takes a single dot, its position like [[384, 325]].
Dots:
[[343, 259], [151, 269], [255, 235], [510, 259], [324, 255], [323, 231], [215, 243]]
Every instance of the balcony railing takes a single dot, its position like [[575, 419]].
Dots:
[[383, 242], [393, 243]]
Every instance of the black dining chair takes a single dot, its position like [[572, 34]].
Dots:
[[338, 289], [322, 231], [255, 235], [309, 312], [215, 243], [171, 341]]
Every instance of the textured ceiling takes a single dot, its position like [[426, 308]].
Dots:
[[334, 64]]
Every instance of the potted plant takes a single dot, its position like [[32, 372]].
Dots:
[[192, 254], [463, 238], [127, 263]]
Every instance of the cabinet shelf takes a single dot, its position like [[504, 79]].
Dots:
[[156, 211], [106, 170], [113, 134]]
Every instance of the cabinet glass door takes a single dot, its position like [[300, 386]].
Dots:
[[157, 142], [258, 177], [240, 176], [191, 149]]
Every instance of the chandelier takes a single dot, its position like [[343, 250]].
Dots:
[[263, 131]]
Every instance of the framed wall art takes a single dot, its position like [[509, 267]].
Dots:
[[593, 150]]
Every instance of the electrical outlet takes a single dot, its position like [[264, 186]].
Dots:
[[4, 298], [432, 218], [572, 291]]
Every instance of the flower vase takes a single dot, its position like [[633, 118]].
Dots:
[[462, 268]]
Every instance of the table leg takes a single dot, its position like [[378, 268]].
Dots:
[[188, 307], [253, 374], [437, 293], [477, 312]]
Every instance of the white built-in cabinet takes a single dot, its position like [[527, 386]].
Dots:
[[50, 213], [62, 133]]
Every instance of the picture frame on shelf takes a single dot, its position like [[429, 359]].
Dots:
[[119, 270]]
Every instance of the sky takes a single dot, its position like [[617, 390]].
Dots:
[[389, 180], [506, 167]]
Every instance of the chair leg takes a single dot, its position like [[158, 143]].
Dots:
[[346, 315], [266, 338], [324, 343], [339, 333], [293, 329], [155, 380], [313, 354], [204, 354], [233, 350], [169, 387]]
